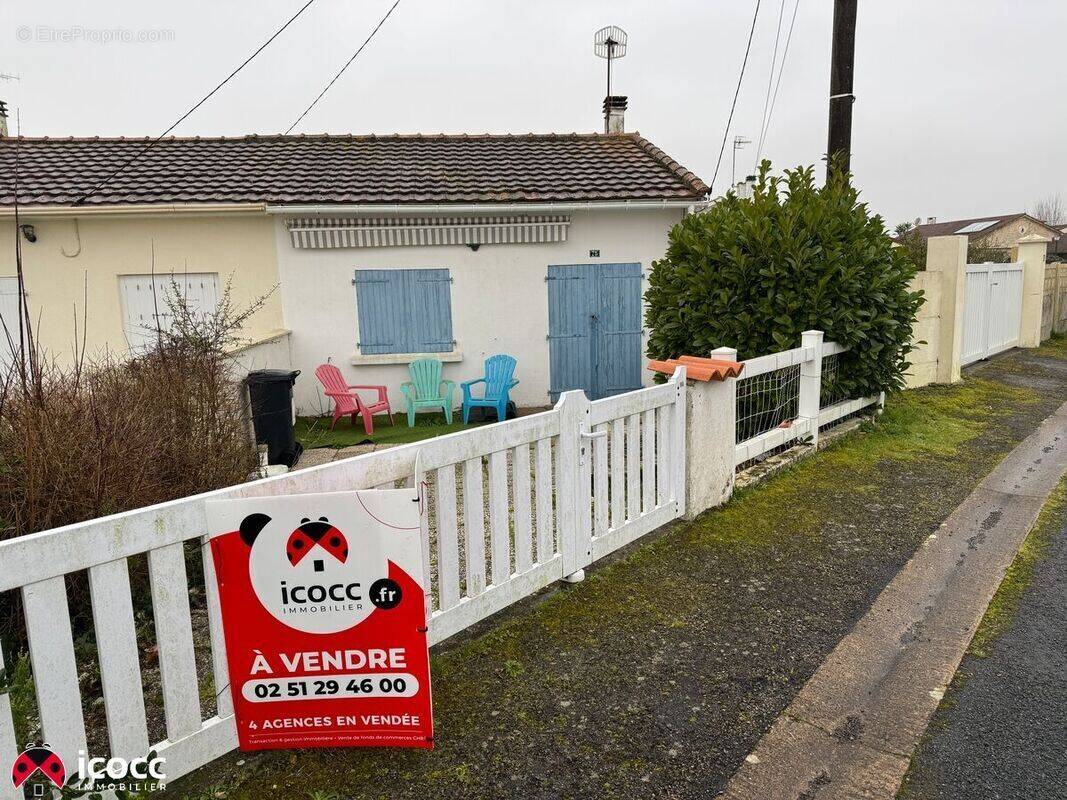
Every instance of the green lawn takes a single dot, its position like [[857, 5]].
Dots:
[[315, 431]]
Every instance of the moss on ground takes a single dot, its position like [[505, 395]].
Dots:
[[658, 674]]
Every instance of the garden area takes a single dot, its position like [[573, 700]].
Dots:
[[314, 432]]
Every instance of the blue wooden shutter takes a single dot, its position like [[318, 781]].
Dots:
[[404, 310], [382, 311], [618, 327], [430, 304], [571, 292]]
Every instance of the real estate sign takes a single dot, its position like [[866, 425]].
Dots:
[[324, 615]]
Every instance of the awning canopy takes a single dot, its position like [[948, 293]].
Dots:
[[320, 232]]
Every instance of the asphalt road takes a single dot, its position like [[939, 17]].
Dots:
[[1001, 731]]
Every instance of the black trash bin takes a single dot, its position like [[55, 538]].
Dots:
[[270, 392]]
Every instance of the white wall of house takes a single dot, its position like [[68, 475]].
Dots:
[[499, 300]]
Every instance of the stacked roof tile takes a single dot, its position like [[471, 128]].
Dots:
[[699, 369], [344, 169]]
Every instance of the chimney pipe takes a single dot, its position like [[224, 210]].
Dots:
[[746, 189], [3, 119], [615, 113]]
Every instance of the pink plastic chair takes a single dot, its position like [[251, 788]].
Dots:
[[347, 403]]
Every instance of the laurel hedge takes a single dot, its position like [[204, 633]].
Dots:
[[754, 273]]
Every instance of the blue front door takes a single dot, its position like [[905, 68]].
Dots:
[[594, 328]]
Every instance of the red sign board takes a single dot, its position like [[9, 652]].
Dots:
[[324, 616]]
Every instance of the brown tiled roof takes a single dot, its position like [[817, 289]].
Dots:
[[950, 227], [346, 169]]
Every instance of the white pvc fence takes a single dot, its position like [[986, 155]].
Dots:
[[515, 506], [992, 310], [783, 398]]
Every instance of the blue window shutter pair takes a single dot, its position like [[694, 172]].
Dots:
[[404, 310]]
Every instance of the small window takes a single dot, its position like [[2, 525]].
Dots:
[[404, 310], [144, 302]]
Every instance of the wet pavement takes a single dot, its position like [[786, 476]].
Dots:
[[1001, 730]]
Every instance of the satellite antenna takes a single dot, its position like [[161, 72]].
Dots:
[[610, 43]]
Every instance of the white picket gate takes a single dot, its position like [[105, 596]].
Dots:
[[514, 507], [992, 309]]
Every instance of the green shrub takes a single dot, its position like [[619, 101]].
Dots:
[[754, 273]]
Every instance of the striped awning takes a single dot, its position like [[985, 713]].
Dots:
[[414, 232]]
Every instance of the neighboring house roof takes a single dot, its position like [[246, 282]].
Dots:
[[327, 169], [977, 226]]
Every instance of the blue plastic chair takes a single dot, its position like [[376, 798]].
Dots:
[[498, 381]]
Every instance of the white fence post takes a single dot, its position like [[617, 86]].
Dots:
[[678, 439], [710, 434], [573, 485], [9, 745], [810, 389]]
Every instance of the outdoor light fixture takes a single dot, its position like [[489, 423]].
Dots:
[[29, 232]]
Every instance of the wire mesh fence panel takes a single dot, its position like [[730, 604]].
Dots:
[[767, 401], [831, 391]]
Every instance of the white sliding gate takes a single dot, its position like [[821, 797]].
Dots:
[[513, 507], [992, 309]]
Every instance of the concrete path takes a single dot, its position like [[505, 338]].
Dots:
[[1001, 731], [851, 730]]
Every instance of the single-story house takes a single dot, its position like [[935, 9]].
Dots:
[[384, 248], [96, 274], [1002, 232]]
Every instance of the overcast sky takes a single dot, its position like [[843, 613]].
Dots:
[[959, 112]]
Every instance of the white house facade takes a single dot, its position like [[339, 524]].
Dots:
[[584, 291], [381, 249]]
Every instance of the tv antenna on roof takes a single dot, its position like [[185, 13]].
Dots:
[[610, 43]]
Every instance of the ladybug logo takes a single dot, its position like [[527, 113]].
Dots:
[[319, 533], [306, 576], [41, 759]]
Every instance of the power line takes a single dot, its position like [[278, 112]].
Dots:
[[770, 79], [203, 100], [781, 69], [737, 91], [347, 63]]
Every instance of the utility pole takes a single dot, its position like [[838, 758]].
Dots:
[[843, 56]]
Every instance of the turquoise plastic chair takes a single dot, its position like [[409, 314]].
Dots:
[[427, 390], [498, 382]]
